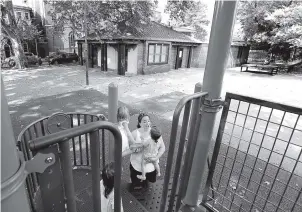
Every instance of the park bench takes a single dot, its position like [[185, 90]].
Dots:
[[270, 69]]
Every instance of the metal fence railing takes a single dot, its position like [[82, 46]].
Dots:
[[178, 168], [256, 163], [79, 154]]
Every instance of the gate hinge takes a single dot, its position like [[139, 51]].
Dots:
[[38, 163], [212, 105]]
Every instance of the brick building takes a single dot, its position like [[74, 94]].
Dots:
[[157, 48]]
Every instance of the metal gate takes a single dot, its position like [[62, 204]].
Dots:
[[256, 163]]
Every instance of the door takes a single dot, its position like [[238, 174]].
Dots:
[[179, 58]]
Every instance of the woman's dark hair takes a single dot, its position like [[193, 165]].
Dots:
[[108, 178], [155, 133], [139, 119]]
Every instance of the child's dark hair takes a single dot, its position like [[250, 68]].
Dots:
[[108, 178], [122, 113], [139, 119], [155, 133]]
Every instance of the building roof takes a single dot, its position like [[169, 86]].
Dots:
[[151, 31]]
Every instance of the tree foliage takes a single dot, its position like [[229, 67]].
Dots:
[[9, 29], [271, 21], [189, 13], [27, 31], [105, 18]]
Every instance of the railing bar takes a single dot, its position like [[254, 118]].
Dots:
[[216, 149], [223, 200], [257, 159], [67, 176], [73, 144], [295, 166], [233, 165], [103, 148], [252, 203], [179, 155], [27, 138], [228, 148], [246, 188], [30, 192], [274, 180], [42, 127], [269, 154], [255, 146], [36, 131], [260, 172], [95, 169], [173, 135], [296, 201], [274, 105], [185, 173], [80, 140], [33, 175], [261, 134], [265, 119], [86, 142]]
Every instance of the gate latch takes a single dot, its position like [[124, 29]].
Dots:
[[212, 105]]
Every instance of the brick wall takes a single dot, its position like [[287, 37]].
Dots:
[[199, 56], [184, 62], [140, 58]]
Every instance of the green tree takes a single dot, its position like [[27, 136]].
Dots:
[[9, 29], [189, 13], [105, 18], [272, 24], [289, 25]]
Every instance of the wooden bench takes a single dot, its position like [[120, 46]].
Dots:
[[270, 69]]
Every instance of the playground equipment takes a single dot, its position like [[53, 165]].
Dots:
[[67, 170]]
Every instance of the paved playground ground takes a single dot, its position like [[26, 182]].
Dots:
[[34, 93]]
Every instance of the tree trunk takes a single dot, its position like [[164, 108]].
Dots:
[[8, 31], [37, 52]]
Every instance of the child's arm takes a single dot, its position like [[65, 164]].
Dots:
[[129, 134], [143, 163]]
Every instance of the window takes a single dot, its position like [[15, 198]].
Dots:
[[26, 16], [19, 15], [71, 40], [158, 53]]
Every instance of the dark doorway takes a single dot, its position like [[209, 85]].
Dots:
[[179, 57], [42, 52], [126, 59], [7, 50]]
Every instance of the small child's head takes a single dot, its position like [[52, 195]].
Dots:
[[123, 114], [108, 178], [155, 133]]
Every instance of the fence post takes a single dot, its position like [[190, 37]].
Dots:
[[218, 50], [13, 195], [112, 110]]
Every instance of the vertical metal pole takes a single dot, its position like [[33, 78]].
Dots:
[[220, 42], [190, 147], [68, 176], [15, 198], [112, 107], [86, 43], [95, 168]]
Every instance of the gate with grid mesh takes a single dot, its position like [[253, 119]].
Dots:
[[256, 163]]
